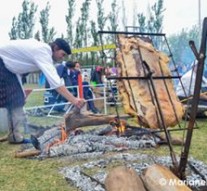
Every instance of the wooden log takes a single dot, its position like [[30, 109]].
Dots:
[[160, 178], [123, 178], [27, 153], [174, 140], [76, 118], [4, 138]]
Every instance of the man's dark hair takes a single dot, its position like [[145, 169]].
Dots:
[[63, 45], [70, 64]]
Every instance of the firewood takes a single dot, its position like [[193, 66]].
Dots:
[[26, 153], [77, 118], [160, 178], [174, 140], [3, 139], [123, 178]]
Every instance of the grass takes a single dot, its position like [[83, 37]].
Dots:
[[42, 175], [29, 175]]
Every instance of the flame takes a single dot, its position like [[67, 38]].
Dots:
[[120, 125], [61, 140]]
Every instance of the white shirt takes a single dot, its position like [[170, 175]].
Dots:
[[30, 55]]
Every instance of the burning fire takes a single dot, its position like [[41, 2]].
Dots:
[[62, 138], [119, 125]]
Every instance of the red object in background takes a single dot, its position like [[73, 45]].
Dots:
[[80, 85], [27, 92]]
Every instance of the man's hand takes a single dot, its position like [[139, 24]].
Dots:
[[79, 102], [74, 100]]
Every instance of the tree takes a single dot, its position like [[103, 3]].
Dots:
[[95, 40], [124, 18], [69, 19], [78, 39], [142, 22], [101, 20], [24, 26], [113, 24], [14, 30], [156, 18], [81, 39], [47, 33], [113, 19], [154, 23], [37, 36], [179, 45]]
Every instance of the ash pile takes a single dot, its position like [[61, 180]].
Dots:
[[95, 141], [80, 177], [104, 147]]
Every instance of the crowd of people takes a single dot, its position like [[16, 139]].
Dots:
[[72, 75]]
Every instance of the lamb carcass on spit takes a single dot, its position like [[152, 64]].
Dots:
[[137, 94]]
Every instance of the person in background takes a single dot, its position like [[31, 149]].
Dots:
[[186, 91], [89, 95], [18, 57], [97, 75], [51, 95], [75, 70], [42, 80], [111, 84]]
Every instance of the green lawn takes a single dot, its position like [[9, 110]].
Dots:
[[42, 175]]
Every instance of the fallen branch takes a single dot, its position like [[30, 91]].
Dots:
[[76, 118], [3, 139], [28, 153]]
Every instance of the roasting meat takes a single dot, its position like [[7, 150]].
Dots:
[[137, 95]]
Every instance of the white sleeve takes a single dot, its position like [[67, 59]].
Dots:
[[44, 61]]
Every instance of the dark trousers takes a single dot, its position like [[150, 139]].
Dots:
[[12, 98], [11, 93]]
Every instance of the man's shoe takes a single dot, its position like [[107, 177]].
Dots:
[[96, 111], [16, 138], [35, 142]]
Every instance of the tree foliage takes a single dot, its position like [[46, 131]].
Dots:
[[113, 19], [81, 38], [179, 45], [69, 20], [153, 23], [22, 28], [82, 30], [124, 18], [47, 33]]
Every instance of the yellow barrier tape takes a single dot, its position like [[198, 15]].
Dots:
[[94, 48]]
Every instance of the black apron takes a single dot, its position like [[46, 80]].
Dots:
[[11, 93]]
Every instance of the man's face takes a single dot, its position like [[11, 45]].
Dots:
[[59, 55], [77, 66]]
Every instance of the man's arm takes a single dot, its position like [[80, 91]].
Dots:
[[67, 95], [203, 96]]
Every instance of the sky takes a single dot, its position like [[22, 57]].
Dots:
[[178, 14]]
